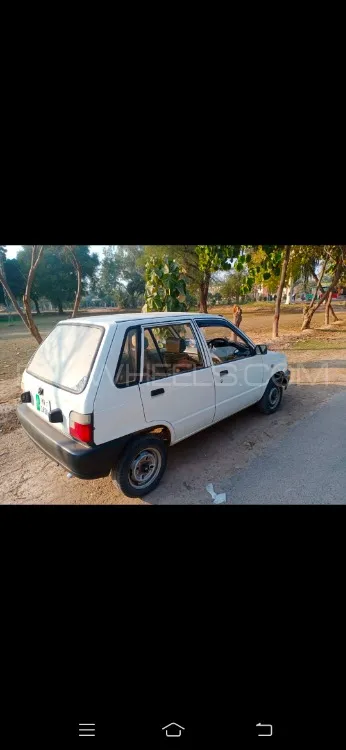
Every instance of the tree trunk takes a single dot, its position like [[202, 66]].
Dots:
[[280, 290], [59, 305], [13, 300], [327, 308], [35, 300], [78, 270], [310, 310], [27, 294], [204, 289], [332, 311], [237, 318], [289, 291]]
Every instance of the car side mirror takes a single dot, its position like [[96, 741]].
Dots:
[[261, 349]]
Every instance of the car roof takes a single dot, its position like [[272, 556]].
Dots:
[[140, 317]]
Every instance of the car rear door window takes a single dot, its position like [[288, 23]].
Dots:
[[127, 372], [170, 350]]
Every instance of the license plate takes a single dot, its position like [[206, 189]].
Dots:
[[42, 405]]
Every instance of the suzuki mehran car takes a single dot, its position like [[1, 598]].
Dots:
[[110, 393]]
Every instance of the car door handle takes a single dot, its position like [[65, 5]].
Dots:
[[157, 392], [223, 372]]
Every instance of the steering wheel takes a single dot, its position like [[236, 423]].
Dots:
[[218, 342]]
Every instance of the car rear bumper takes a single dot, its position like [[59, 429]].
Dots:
[[84, 461]]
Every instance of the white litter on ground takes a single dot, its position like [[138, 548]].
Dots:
[[218, 499]]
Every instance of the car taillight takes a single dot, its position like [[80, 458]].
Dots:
[[81, 427]]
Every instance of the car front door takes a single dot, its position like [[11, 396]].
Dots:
[[238, 372], [177, 384]]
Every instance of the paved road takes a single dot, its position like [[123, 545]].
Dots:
[[307, 466]]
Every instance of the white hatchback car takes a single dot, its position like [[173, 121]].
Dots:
[[110, 393]]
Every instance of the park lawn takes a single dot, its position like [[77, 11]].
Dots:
[[318, 344], [17, 345]]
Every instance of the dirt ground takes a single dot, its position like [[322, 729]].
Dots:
[[317, 360]]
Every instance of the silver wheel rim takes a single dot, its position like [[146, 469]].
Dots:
[[274, 397], [145, 467]]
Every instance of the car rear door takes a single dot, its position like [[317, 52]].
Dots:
[[177, 385], [118, 409]]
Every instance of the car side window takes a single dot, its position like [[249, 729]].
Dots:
[[127, 372], [221, 345], [170, 350]]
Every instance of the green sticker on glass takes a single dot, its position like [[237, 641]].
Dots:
[[37, 402]]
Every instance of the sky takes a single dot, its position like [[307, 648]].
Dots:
[[12, 250]]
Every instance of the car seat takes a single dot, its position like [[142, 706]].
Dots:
[[175, 356]]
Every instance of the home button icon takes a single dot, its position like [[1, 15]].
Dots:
[[173, 730]]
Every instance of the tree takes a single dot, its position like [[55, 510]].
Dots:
[[36, 254], [13, 276], [71, 249], [8, 295], [328, 304], [211, 258], [55, 277], [110, 273], [35, 257], [333, 256], [270, 265], [132, 272], [165, 288], [198, 264], [232, 285], [285, 261], [122, 275], [301, 261], [135, 289], [310, 262], [281, 261]]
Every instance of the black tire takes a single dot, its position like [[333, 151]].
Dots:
[[271, 398], [146, 454]]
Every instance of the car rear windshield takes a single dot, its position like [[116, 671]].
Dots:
[[67, 355]]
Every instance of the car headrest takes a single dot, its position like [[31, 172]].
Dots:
[[175, 346]]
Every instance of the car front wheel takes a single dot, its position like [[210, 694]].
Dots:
[[271, 398], [141, 466]]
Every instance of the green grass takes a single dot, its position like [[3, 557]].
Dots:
[[318, 344], [44, 319], [15, 320]]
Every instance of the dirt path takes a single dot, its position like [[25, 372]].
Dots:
[[28, 477]]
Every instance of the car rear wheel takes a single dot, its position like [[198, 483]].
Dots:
[[141, 466], [271, 398]]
